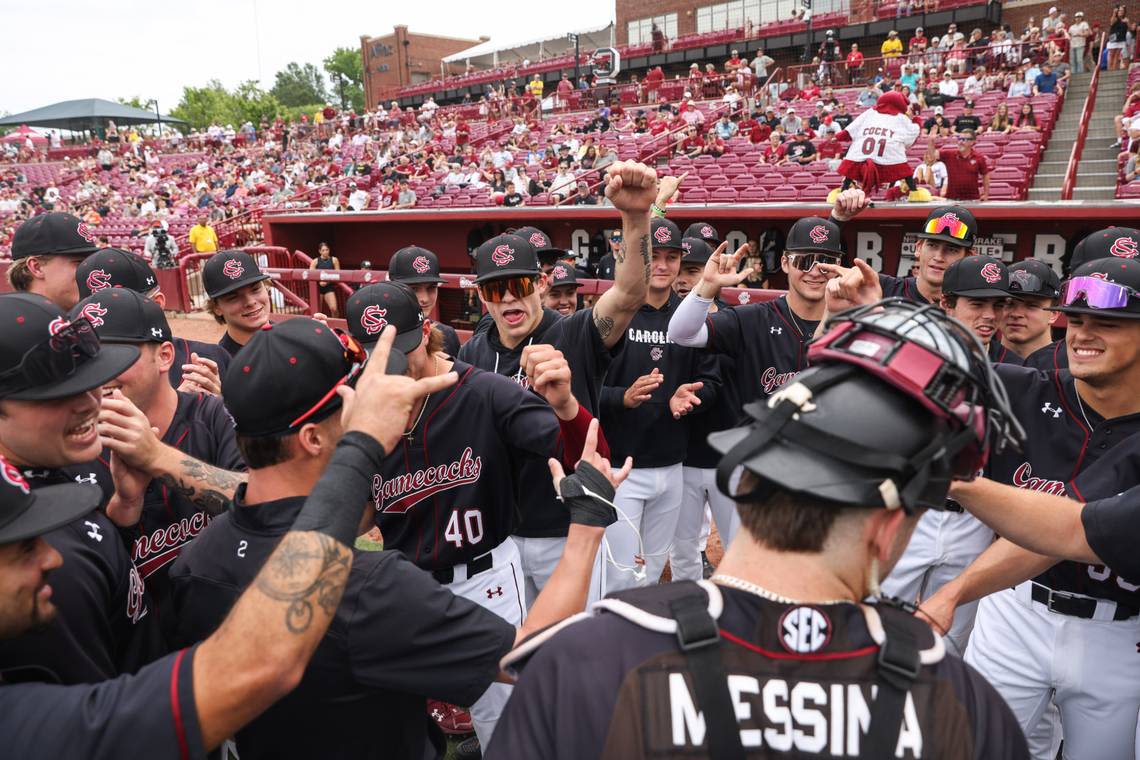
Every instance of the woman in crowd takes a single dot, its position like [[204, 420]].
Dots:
[[326, 262]]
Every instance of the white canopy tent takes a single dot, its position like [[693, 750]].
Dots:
[[496, 52]]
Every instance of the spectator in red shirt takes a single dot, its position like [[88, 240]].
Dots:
[[653, 79], [714, 145], [964, 168], [732, 63], [811, 92], [854, 63], [773, 152], [563, 90], [693, 144], [831, 147], [917, 46]]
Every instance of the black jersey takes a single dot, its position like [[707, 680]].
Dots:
[[800, 675], [999, 354], [767, 341], [1052, 357], [1111, 516], [648, 432], [184, 347], [230, 345], [363, 693], [105, 625], [901, 287], [452, 490], [1063, 438]]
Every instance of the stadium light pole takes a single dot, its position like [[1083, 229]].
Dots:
[[577, 75], [157, 116]]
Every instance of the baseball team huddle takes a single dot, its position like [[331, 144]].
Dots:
[[927, 504]]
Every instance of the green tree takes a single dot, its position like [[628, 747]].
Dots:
[[251, 103], [299, 85], [135, 102], [346, 77], [201, 106]]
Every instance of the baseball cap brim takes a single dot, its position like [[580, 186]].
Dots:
[[397, 358], [968, 243], [1101, 313], [52, 507], [502, 274], [980, 293], [111, 361], [419, 279], [231, 287]]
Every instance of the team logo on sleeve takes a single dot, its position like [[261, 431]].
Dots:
[[98, 280], [233, 269], [13, 477], [663, 234], [503, 255], [991, 273], [538, 240], [560, 273], [94, 313], [372, 319], [1125, 248], [804, 630], [818, 234], [85, 232], [420, 264]]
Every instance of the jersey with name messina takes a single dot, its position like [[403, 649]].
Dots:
[[800, 676], [450, 492], [1063, 438]]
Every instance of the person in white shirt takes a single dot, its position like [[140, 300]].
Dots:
[[357, 198], [975, 83], [1048, 22], [106, 159], [51, 195], [500, 158], [563, 183], [948, 87], [454, 176], [932, 173], [1079, 34], [336, 140], [474, 177]]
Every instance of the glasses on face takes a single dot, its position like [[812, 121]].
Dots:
[[949, 224], [54, 358], [1096, 293], [354, 357], [805, 262], [494, 291]]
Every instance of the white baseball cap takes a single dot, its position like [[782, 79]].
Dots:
[[1053, 9]]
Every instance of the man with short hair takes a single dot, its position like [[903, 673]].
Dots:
[[562, 295], [800, 150], [46, 250], [1029, 317], [406, 197], [1046, 81], [968, 120], [358, 197], [202, 237], [238, 295], [418, 268], [1079, 34], [964, 168]]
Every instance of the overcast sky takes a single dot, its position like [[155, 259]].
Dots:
[[67, 49]]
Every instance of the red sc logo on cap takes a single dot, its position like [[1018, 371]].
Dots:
[[94, 313], [663, 235], [233, 269], [1124, 247], [12, 476], [818, 234], [503, 255], [991, 273], [538, 240], [372, 319], [420, 264], [98, 280]]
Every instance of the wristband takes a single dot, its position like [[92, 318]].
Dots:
[[656, 210], [589, 496], [333, 507]]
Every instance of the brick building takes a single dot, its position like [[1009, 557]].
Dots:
[[678, 18], [403, 58]]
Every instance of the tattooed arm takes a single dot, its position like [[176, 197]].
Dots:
[[631, 187], [207, 486]]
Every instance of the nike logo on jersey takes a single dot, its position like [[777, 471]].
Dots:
[[1023, 478], [1056, 411], [402, 492]]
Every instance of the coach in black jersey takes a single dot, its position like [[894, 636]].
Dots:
[[238, 294], [197, 366], [418, 268], [779, 655], [1028, 320], [195, 424]]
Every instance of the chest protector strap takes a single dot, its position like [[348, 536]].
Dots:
[[898, 666]]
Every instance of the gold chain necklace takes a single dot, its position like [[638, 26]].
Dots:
[[743, 585]]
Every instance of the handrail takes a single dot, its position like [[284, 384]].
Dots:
[[1070, 182]]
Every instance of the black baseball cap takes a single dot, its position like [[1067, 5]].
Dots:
[[44, 356], [976, 277], [562, 275], [1033, 277], [415, 266], [1121, 242], [704, 231], [373, 307], [665, 234], [696, 250], [813, 233], [227, 271], [950, 224], [113, 268], [544, 248], [1113, 269], [27, 513], [53, 234], [505, 256], [123, 316], [286, 376]]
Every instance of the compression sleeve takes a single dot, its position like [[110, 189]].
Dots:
[[336, 504], [687, 325]]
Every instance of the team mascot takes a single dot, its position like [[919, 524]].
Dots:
[[879, 139]]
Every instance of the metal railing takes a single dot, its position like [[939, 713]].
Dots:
[[1070, 182]]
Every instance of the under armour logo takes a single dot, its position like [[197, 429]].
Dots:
[[156, 332], [492, 593], [90, 478], [776, 330], [1050, 409], [94, 532]]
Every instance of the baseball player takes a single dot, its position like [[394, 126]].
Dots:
[[197, 366], [367, 671], [975, 291], [767, 340], [548, 255], [700, 494], [510, 287], [188, 702], [651, 388], [779, 655], [46, 249], [418, 268], [562, 291], [607, 264], [704, 231], [143, 411], [449, 495], [238, 296], [1067, 636], [1029, 318]]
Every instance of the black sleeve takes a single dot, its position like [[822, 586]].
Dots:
[[1112, 529], [150, 714], [226, 453], [725, 329], [443, 646], [707, 367], [996, 732], [450, 340], [526, 422]]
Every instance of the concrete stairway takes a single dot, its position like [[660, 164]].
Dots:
[[1096, 174]]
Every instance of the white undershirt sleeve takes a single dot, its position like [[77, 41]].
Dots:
[[687, 326]]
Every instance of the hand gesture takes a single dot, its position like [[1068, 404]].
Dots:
[[549, 374], [201, 375], [667, 187], [684, 399], [849, 203], [854, 286], [720, 269], [591, 456], [126, 431], [125, 507], [642, 389], [387, 399], [938, 611], [631, 187]]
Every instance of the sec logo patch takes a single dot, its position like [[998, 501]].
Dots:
[[804, 630]]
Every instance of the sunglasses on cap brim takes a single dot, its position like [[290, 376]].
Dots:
[[355, 357], [953, 227], [805, 262], [494, 291], [1031, 285], [56, 357], [1096, 293]]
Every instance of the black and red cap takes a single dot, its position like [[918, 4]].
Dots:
[[1111, 242], [816, 234], [543, 246], [563, 275], [26, 513], [950, 224], [123, 316], [976, 277], [505, 256], [665, 234], [113, 268], [53, 234], [1105, 287], [374, 307], [227, 271], [415, 266], [697, 251], [44, 356], [1033, 277], [705, 232]]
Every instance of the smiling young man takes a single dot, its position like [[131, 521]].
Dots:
[[46, 250], [562, 294], [418, 268], [239, 296], [1029, 317], [947, 236], [974, 291]]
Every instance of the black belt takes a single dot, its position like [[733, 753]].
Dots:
[[1083, 607], [446, 575], [953, 506]]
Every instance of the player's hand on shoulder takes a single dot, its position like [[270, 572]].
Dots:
[[849, 203], [549, 374], [642, 389], [849, 287], [631, 186]]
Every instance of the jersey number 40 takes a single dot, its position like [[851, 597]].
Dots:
[[468, 529]]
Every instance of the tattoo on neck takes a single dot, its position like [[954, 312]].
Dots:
[[604, 324], [646, 256], [306, 569]]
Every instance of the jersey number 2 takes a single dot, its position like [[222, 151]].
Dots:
[[469, 528], [869, 146]]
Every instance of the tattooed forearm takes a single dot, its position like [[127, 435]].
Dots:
[[209, 487], [646, 255], [306, 569], [604, 324]]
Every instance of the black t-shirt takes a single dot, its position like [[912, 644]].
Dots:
[[183, 347], [843, 119], [230, 345], [802, 675], [512, 199], [797, 150], [397, 638], [999, 354], [150, 714], [967, 122], [450, 339], [1051, 358], [606, 266]]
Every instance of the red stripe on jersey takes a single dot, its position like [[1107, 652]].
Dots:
[[1079, 421], [427, 461], [820, 657], [176, 709]]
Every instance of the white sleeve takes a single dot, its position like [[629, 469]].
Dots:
[[909, 130], [687, 325]]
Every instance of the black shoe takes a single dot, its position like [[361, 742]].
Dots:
[[707, 567], [468, 749]]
